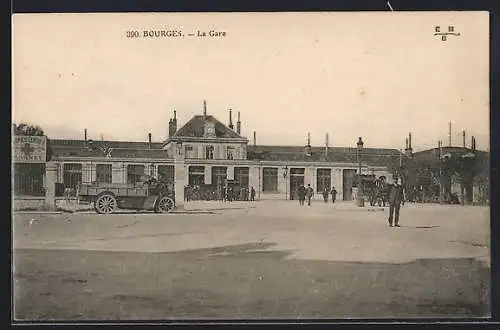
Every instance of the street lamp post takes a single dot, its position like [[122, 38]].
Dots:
[[285, 174], [360, 199]]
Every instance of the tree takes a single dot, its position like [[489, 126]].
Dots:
[[32, 130], [27, 129]]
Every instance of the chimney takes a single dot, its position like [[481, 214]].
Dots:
[[439, 149], [473, 142], [204, 108], [327, 144], [308, 146], [254, 138], [231, 126], [449, 134], [170, 127], [238, 125], [463, 138], [150, 144], [409, 141], [406, 148], [85, 136], [174, 123]]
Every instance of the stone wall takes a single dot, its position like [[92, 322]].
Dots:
[[26, 203]]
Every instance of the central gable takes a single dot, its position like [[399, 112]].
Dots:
[[206, 127]]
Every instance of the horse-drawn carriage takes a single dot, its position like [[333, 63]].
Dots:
[[149, 194], [375, 189]]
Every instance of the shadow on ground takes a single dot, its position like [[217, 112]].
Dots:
[[240, 281]]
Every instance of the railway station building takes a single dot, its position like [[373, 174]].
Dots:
[[202, 151]]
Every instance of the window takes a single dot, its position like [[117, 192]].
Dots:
[[219, 175], [196, 175], [189, 151], [134, 173], [29, 179], [230, 153], [166, 173], [270, 179], [241, 175], [72, 175], [297, 171], [104, 173], [323, 179], [209, 152]]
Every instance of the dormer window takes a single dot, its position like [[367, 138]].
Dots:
[[230, 153], [209, 152], [307, 150]]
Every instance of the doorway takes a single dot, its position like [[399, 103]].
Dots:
[[296, 180], [347, 184]]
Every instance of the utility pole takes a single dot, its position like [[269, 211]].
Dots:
[[440, 162]]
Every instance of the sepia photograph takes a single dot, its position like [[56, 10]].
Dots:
[[250, 166]]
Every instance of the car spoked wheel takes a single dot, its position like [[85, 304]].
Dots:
[[105, 204], [164, 205]]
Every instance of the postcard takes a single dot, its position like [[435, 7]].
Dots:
[[250, 166]]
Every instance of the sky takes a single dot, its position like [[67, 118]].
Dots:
[[378, 75]]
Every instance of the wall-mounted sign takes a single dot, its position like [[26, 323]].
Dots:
[[29, 149]]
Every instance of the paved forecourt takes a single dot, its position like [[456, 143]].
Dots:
[[340, 232]]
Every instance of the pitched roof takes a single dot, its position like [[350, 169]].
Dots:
[[432, 155], [372, 156], [112, 144], [119, 149], [195, 128]]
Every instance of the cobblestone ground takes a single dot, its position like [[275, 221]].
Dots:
[[269, 259]]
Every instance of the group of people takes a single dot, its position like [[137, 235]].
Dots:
[[229, 194], [304, 193], [226, 193], [395, 198]]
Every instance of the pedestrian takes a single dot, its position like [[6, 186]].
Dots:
[[252, 194], [309, 194], [334, 195], [325, 194], [395, 197], [301, 193]]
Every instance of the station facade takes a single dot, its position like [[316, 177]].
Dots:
[[206, 151]]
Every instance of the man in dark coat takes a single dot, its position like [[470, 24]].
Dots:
[[301, 192], [395, 198], [325, 195], [252, 194], [309, 194], [334, 194]]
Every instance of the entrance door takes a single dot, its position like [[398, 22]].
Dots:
[[296, 180], [347, 183]]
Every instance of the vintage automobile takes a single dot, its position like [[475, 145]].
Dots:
[[149, 194]]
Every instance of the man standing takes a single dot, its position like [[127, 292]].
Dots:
[[252, 194], [309, 194], [301, 192], [325, 195], [395, 197], [334, 194]]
